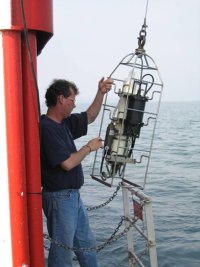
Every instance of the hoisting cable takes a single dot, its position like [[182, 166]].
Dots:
[[147, 4], [142, 34]]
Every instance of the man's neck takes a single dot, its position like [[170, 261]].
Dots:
[[53, 115]]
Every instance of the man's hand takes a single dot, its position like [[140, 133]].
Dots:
[[95, 143], [105, 85]]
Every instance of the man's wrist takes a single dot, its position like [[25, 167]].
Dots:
[[89, 148]]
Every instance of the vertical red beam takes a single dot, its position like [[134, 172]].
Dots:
[[15, 147], [32, 148], [20, 141]]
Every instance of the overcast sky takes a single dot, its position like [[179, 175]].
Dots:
[[92, 36]]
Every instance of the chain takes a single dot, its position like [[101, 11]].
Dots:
[[100, 247], [143, 33], [135, 259], [142, 38], [114, 237], [108, 201]]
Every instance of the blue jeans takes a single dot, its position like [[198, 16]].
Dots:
[[67, 222]]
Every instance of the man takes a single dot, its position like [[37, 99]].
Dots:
[[61, 171]]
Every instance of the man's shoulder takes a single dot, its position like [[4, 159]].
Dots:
[[75, 116], [47, 124]]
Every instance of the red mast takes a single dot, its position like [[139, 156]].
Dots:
[[21, 234]]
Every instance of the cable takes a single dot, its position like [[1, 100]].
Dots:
[[33, 74], [142, 34], [30, 57], [146, 9]]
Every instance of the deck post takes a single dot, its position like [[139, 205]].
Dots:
[[148, 235], [151, 232], [126, 206]]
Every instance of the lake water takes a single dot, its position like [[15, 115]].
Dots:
[[173, 182]]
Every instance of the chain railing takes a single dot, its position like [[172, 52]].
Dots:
[[110, 240], [114, 237], [108, 201]]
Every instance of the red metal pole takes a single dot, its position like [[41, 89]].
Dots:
[[15, 147], [19, 152], [32, 149]]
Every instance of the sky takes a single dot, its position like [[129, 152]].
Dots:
[[92, 36]]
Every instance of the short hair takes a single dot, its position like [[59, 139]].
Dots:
[[59, 87]]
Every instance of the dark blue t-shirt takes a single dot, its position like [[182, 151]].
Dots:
[[56, 145]]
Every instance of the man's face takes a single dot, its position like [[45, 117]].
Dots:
[[68, 104]]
